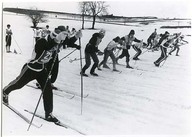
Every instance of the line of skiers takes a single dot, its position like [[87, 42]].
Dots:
[[44, 65]]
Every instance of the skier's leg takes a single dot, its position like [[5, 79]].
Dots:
[[96, 61], [24, 77], [162, 57], [105, 59], [45, 84], [87, 62], [177, 52], [114, 61]]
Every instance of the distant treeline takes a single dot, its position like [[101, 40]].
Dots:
[[25, 11], [145, 20], [175, 27]]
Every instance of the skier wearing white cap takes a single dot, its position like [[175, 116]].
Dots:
[[36, 69]]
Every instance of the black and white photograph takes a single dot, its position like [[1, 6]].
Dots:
[[96, 68]]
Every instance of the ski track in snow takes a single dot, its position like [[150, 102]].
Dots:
[[146, 100]]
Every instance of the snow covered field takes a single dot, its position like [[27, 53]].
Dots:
[[145, 101]]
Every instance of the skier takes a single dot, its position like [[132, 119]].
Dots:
[[37, 33], [164, 43], [46, 30], [90, 52], [8, 38], [151, 39], [127, 43], [109, 52], [67, 42], [137, 48], [177, 44], [35, 69]]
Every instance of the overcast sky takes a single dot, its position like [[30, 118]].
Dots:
[[158, 8]]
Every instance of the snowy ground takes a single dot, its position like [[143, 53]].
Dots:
[[146, 101]]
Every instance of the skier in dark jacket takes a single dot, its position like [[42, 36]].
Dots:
[[35, 69], [151, 38], [164, 43], [90, 52], [67, 42]]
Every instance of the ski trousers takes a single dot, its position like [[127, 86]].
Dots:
[[125, 53], [28, 75], [88, 57], [163, 55], [8, 40], [138, 51], [108, 53]]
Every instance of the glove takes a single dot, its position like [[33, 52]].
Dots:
[[78, 47], [100, 53]]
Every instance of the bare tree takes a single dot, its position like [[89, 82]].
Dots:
[[36, 17], [94, 8], [83, 9]]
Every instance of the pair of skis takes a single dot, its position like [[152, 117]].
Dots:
[[58, 92], [41, 117]]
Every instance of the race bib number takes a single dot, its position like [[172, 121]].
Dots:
[[45, 57]]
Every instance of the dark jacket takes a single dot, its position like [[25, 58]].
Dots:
[[45, 51], [92, 46]]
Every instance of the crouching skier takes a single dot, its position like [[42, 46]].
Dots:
[[109, 52], [127, 43], [137, 47], [35, 69]]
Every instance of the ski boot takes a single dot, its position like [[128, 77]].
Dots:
[[49, 117], [94, 74]]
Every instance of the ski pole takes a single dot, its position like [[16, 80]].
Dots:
[[67, 55], [75, 59], [43, 89], [81, 78], [17, 45]]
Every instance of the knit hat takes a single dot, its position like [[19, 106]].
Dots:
[[166, 32], [132, 32], [60, 37], [55, 33], [102, 31], [61, 28]]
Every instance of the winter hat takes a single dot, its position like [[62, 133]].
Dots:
[[166, 32], [61, 37], [102, 31], [132, 32], [61, 28], [116, 39]]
